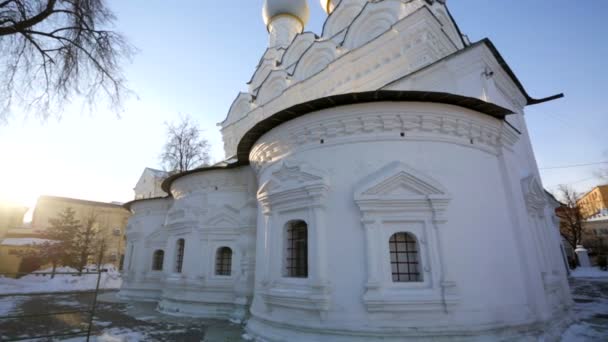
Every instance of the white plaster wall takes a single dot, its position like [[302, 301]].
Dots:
[[212, 209], [139, 281], [487, 253]]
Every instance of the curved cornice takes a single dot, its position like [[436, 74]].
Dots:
[[253, 134]]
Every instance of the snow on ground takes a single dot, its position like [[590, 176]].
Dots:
[[8, 305], [590, 296], [62, 282], [113, 335], [589, 272], [582, 332]]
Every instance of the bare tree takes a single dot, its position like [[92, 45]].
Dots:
[[186, 148], [55, 49], [571, 225]]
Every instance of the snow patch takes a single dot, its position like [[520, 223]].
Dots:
[[589, 272], [582, 332], [62, 282], [8, 305]]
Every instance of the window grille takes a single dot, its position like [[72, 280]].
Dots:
[[297, 250], [223, 261], [158, 259], [404, 258], [179, 258]]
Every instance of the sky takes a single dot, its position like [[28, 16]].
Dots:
[[195, 56]]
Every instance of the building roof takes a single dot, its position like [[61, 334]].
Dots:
[[157, 173], [78, 201]]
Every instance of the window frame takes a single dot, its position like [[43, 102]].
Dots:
[[219, 260], [154, 260], [180, 251], [289, 255], [395, 250]]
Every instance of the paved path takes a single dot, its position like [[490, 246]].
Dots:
[[129, 322], [591, 308], [113, 321]]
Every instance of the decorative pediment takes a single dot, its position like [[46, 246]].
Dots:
[[293, 184], [403, 184], [399, 188], [534, 195], [225, 216], [157, 237]]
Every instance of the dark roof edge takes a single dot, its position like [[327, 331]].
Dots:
[[501, 61], [130, 203], [460, 35]]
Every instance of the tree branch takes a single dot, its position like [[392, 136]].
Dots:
[[22, 25]]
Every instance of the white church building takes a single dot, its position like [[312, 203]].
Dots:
[[379, 184]]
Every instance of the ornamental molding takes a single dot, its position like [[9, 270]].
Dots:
[[224, 217], [415, 301], [397, 188], [298, 47], [534, 196], [399, 193], [293, 185], [368, 123], [413, 43], [157, 239], [312, 298], [342, 16]]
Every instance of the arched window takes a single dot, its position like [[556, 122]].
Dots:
[[296, 250], [157, 260], [405, 264], [179, 255], [223, 261]]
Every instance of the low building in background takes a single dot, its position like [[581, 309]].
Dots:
[[595, 235], [149, 184], [12, 259], [111, 220], [11, 216], [594, 202]]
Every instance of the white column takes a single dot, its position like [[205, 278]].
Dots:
[[583, 257], [371, 227]]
